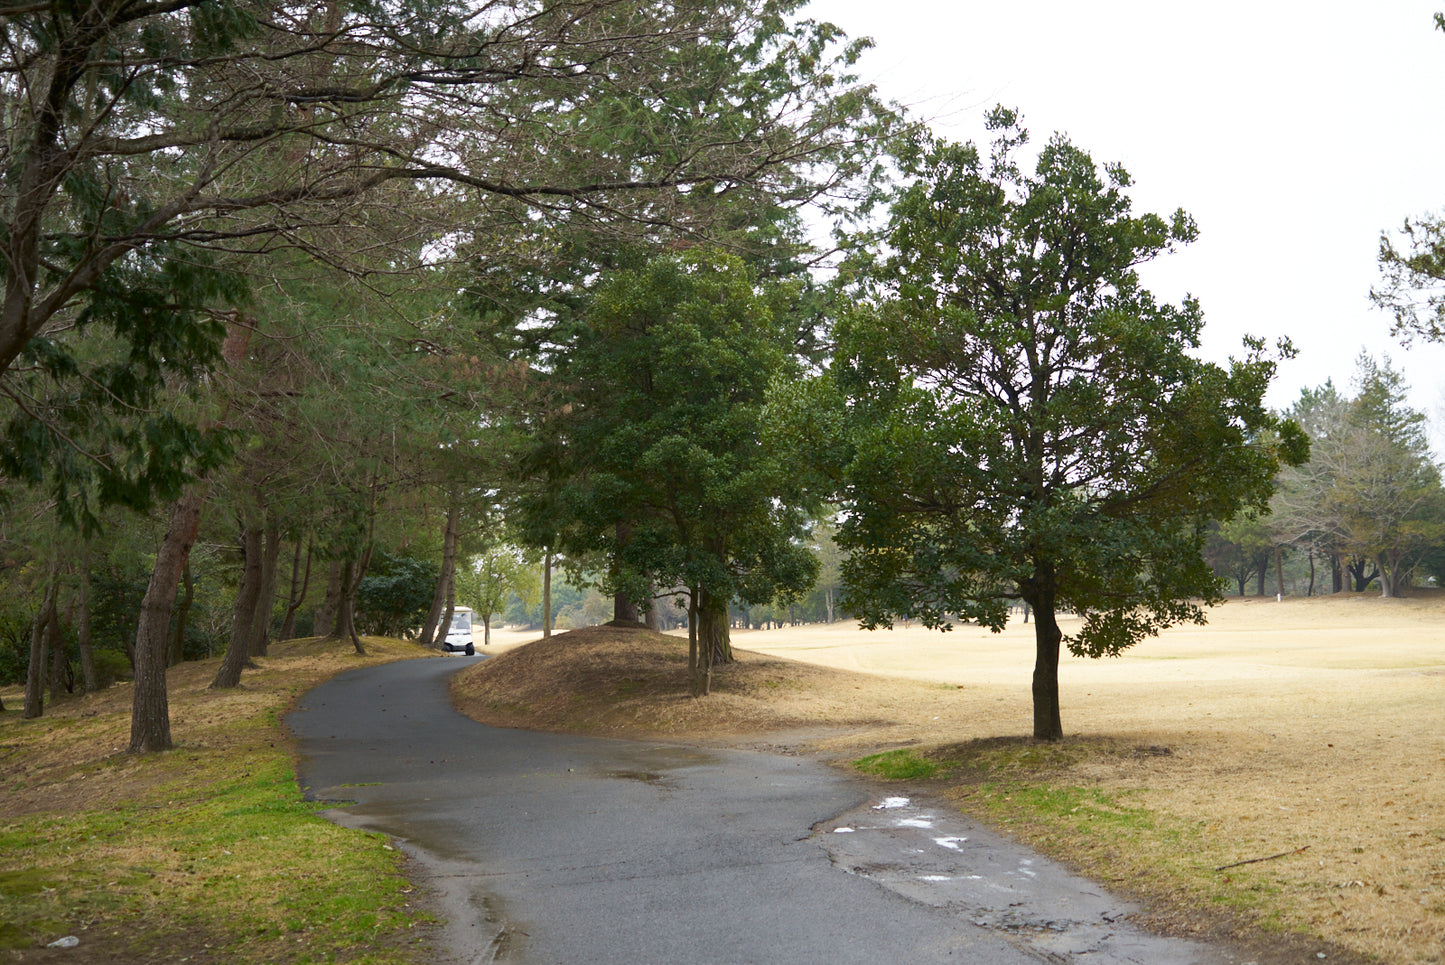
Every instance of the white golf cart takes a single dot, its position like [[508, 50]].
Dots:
[[459, 635]]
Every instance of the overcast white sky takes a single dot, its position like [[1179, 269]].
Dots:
[[1294, 133]]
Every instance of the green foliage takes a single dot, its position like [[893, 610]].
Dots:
[[664, 437], [1029, 422], [14, 641], [96, 417], [1370, 492], [1022, 419], [395, 594]]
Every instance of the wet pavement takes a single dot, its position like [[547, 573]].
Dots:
[[555, 848]]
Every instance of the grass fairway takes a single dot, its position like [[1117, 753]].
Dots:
[[1309, 733], [206, 853]]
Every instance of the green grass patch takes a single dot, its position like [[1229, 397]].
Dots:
[[905, 764], [210, 852]]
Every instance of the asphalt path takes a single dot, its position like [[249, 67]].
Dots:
[[551, 848]]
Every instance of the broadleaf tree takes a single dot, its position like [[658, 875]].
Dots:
[[1025, 422]]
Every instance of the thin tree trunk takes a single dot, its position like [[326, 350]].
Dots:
[[1279, 570], [238, 650], [59, 657], [487, 630], [546, 593], [88, 675], [150, 716], [150, 719], [451, 609], [266, 601], [694, 668], [326, 615], [176, 652], [296, 595], [1311, 590], [39, 636]]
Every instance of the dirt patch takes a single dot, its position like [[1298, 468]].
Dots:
[[1304, 728]]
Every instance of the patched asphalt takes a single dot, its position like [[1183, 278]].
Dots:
[[551, 848]]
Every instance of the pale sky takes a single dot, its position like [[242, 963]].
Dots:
[[1293, 132]]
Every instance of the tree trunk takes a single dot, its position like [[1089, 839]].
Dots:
[[1356, 569], [60, 675], [1039, 594], [624, 608], [352, 573], [653, 618], [451, 611], [435, 632], [487, 630], [326, 615], [82, 625], [1337, 574], [1279, 570], [266, 601], [39, 636], [150, 719], [694, 665], [244, 614], [546, 593], [432, 634], [1048, 725], [297, 594], [1311, 590], [175, 652], [708, 636], [1390, 577], [714, 629], [1261, 568]]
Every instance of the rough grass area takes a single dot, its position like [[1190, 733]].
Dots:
[[1306, 733], [206, 853]]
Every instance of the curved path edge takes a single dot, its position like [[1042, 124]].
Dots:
[[557, 848]]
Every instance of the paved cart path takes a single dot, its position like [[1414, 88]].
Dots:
[[549, 848]]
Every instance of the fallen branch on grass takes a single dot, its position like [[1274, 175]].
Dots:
[[1282, 854]]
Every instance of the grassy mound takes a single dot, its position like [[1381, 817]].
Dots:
[[632, 682]]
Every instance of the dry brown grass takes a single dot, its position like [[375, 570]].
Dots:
[[1308, 724]]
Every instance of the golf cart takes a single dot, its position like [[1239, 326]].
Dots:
[[459, 636]]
